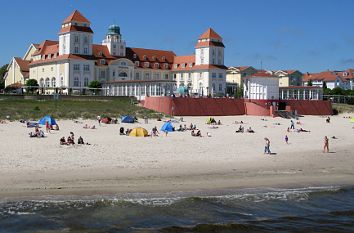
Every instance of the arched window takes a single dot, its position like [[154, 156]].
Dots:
[[86, 81], [61, 81], [41, 82], [47, 82], [53, 82], [123, 63], [123, 74], [76, 82]]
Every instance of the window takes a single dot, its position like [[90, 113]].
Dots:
[[76, 82], [134, 56], [53, 82], [146, 64], [213, 87], [175, 66], [76, 50], [154, 58], [213, 75], [166, 65], [156, 76], [41, 82], [86, 81], [114, 46], [61, 81], [157, 65], [103, 61], [85, 40], [86, 67], [123, 74], [47, 82], [166, 76], [145, 58], [123, 63], [220, 87], [163, 58], [76, 39], [85, 50], [137, 63], [220, 75], [137, 76], [184, 65], [174, 76], [181, 77], [147, 76], [76, 67], [190, 65], [113, 73]]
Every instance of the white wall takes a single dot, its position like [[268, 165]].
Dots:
[[261, 88]]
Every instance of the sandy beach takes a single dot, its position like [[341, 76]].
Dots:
[[177, 162]]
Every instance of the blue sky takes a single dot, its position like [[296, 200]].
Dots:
[[309, 35]]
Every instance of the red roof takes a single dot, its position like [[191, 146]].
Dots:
[[74, 28], [24, 66], [42, 48], [328, 76], [184, 59], [201, 44], [209, 34], [261, 74], [76, 16], [152, 56]]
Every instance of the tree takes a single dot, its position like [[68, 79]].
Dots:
[[32, 85], [239, 93], [2, 75], [95, 85], [324, 85], [309, 83], [337, 91]]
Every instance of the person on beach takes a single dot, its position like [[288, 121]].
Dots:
[[286, 139], [146, 119], [80, 141], [99, 120], [328, 120], [47, 127], [62, 141], [292, 125], [267, 146], [326, 145]]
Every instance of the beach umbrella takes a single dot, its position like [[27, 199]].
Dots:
[[127, 119], [139, 132], [167, 127], [48, 118]]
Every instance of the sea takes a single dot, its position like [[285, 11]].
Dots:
[[305, 209]]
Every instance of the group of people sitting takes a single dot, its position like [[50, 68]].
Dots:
[[196, 133], [86, 126], [241, 129], [71, 140], [37, 133], [127, 132], [213, 122]]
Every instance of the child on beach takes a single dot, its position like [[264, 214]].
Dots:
[[286, 139]]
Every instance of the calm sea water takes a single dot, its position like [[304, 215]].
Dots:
[[314, 209]]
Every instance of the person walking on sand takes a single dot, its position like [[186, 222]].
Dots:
[[47, 127], [292, 125], [326, 145], [286, 139], [267, 146]]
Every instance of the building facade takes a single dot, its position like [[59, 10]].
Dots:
[[74, 61], [262, 85], [289, 78]]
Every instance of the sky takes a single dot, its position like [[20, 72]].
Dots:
[[308, 35]]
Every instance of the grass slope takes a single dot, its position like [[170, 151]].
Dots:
[[70, 109]]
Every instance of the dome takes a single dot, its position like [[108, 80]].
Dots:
[[113, 30]]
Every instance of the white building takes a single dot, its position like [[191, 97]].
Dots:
[[261, 86], [73, 61]]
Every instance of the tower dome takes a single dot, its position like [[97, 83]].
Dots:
[[113, 30]]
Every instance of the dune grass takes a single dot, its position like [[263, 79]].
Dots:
[[343, 108], [17, 108]]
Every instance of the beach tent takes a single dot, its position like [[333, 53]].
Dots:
[[106, 120], [127, 119], [167, 127], [210, 120], [352, 120], [50, 120], [139, 132]]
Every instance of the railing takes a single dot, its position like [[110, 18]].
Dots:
[[339, 98]]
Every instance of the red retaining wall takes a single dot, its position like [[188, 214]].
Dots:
[[230, 107]]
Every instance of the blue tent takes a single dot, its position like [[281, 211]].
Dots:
[[127, 119], [50, 120], [167, 127]]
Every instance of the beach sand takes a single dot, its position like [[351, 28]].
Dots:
[[178, 162]]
